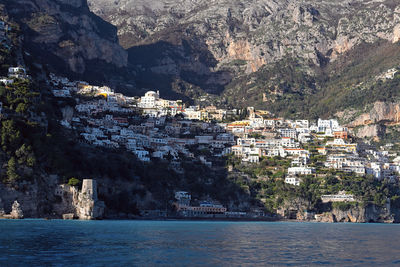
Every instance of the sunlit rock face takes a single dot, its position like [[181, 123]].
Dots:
[[258, 32], [66, 34]]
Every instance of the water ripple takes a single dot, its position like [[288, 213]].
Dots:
[[150, 243]]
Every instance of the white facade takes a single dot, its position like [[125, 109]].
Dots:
[[300, 170], [288, 133], [341, 197], [328, 125], [293, 180], [16, 70], [149, 99], [142, 155], [302, 124], [6, 81], [192, 114]]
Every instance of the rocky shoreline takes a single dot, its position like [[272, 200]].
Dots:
[[331, 220], [70, 203]]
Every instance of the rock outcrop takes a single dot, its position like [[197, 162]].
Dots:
[[299, 209], [380, 112], [16, 212], [67, 33], [262, 29], [88, 207], [370, 131], [34, 197], [326, 217], [67, 197], [258, 32], [2, 212], [373, 122], [370, 213], [199, 47], [83, 204]]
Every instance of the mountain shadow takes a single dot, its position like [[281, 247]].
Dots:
[[185, 69]]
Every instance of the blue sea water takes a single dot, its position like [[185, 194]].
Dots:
[[183, 243]]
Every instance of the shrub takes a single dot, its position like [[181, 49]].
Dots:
[[73, 181], [344, 206]]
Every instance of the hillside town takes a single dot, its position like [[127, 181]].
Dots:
[[153, 128]]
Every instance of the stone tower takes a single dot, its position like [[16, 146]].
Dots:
[[89, 187], [88, 207]]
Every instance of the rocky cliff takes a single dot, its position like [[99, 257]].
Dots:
[[210, 43], [355, 212], [66, 36], [368, 214], [267, 53], [373, 120], [34, 198], [379, 112], [82, 204], [258, 32]]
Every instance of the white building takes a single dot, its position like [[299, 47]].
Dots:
[[300, 171], [248, 154], [192, 113], [252, 158], [304, 137], [302, 124], [16, 70], [293, 180], [327, 125], [341, 197], [6, 81], [289, 142], [269, 123], [149, 99], [296, 152], [288, 133], [142, 155], [204, 139], [274, 152]]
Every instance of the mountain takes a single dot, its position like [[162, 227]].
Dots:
[[309, 56], [258, 32], [37, 153], [264, 53], [65, 37], [297, 59]]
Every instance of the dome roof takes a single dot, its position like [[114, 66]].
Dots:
[[151, 94]]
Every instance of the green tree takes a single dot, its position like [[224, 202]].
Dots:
[[21, 108], [73, 181], [25, 155], [12, 174], [10, 135]]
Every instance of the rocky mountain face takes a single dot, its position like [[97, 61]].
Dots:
[[65, 36], [266, 53], [259, 32], [375, 119], [359, 213], [212, 44], [368, 214]]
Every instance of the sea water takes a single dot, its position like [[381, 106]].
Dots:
[[189, 243]]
